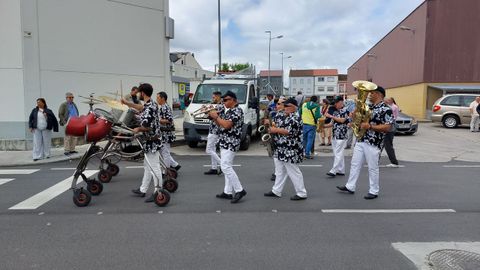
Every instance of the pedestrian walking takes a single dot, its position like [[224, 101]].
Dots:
[[475, 121], [310, 113], [388, 141]]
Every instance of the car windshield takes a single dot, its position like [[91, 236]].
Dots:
[[205, 91]]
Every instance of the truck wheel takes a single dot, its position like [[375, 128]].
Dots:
[[245, 143], [192, 144]]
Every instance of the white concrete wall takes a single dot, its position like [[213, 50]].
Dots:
[[325, 84], [11, 63], [79, 46]]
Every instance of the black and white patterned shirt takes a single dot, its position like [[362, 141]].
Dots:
[[149, 119], [230, 138], [381, 115], [340, 129], [214, 128], [168, 131], [289, 148]]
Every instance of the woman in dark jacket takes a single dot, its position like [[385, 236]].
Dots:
[[41, 123]]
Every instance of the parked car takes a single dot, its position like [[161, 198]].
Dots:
[[406, 124], [453, 110]]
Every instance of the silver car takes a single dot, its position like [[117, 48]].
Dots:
[[453, 110]]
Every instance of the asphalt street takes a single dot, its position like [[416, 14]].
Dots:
[[198, 231]]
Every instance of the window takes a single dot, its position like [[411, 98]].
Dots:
[[320, 89], [330, 79], [309, 81], [330, 89], [301, 81], [451, 101], [295, 81], [467, 100], [321, 79]]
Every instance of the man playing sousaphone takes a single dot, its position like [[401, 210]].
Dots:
[[369, 145]]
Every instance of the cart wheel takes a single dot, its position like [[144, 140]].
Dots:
[[113, 169], [104, 176], [162, 197], [170, 185], [81, 197], [94, 187], [172, 173]]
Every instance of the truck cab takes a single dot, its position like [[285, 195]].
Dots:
[[195, 128]]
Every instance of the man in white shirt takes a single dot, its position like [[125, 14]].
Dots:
[[474, 123]]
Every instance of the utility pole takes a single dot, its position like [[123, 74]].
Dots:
[[219, 39]]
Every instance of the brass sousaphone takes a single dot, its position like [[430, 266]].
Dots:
[[362, 111]]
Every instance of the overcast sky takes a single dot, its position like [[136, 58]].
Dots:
[[317, 33]]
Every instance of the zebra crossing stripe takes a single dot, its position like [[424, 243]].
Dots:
[[23, 171], [50, 193], [5, 180]]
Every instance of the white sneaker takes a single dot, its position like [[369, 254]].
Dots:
[[391, 165]]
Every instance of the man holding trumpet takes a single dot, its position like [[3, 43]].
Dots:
[[230, 122], [212, 138]]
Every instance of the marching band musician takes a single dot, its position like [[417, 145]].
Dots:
[[340, 119], [369, 146], [287, 136], [168, 130], [230, 122], [212, 138], [149, 124], [273, 115]]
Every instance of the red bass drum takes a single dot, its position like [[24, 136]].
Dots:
[[76, 126], [98, 130]]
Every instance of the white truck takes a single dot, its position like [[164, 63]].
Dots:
[[195, 129]]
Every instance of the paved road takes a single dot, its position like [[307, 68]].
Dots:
[[198, 231]]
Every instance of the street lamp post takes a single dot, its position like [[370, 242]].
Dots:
[[219, 39], [286, 57], [269, 44]]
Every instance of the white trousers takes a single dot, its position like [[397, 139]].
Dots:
[[232, 183], [154, 159], [211, 150], [364, 151], [42, 141], [286, 169], [474, 123], [338, 147], [167, 156]]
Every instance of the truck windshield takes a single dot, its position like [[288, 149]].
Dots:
[[205, 91]]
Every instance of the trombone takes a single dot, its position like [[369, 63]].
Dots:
[[204, 110]]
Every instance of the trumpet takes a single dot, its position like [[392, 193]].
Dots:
[[204, 110]]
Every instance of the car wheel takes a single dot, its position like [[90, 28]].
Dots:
[[450, 121]]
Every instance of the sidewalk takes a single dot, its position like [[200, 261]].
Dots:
[[24, 158]]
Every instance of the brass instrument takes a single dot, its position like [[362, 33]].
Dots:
[[362, 111], [204, 110], [266, 137]]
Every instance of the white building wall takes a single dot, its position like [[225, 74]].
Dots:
[[304, 84], [321, 87], [11, 64], [79, 46]]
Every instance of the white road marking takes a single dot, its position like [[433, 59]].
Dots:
[[62, 169], [43, 197], [5, 180], [388, 211], [23, 171], [310, 165], [461, 166], [134, 167], [385, 166]]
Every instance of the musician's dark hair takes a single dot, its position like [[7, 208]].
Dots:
[[269, 95], [146, 88], [134, 88], [313, 98], [217, 93], [163, 95]]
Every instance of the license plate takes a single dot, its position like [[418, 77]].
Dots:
[[403, 125]]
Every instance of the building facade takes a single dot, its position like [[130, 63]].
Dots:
[[320, 82], [186, 73], [276, 78], [50, 47], [433, 51]]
